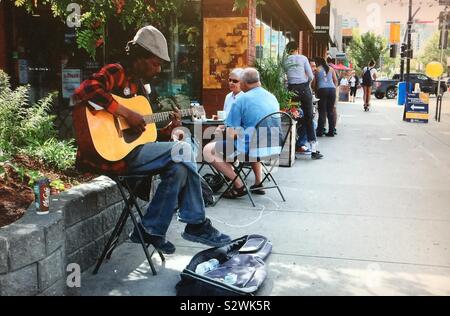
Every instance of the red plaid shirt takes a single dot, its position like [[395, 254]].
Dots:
[[111, 79]]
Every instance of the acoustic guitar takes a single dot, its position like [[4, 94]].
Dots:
[[110, 136]]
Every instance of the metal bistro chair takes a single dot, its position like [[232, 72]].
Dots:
[[128, 184], [266, 146]]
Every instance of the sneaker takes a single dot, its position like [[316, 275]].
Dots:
[[316, 156], [302, 151], [205, 234], [313, 146], [159, 242]]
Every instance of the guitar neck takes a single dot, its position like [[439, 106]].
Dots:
[[165, 116]]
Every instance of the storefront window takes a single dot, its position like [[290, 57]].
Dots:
[[183, 75], [270, 43]]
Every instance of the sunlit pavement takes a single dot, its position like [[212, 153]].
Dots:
[[372, 218]]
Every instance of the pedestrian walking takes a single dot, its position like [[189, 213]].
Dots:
[[369, 75], [354, 83]]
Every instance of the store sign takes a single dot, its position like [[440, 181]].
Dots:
[[322, 18], [417, 107], [71, 79]]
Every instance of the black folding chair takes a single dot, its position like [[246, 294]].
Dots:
[[128, 184], [266, 146]]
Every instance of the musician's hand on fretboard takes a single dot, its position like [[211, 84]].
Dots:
[[175, 116]]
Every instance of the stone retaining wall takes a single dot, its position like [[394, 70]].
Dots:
[[35, 251]]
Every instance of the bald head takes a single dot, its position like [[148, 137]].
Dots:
[[250, 79]]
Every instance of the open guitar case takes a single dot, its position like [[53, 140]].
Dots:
[[243, 257]]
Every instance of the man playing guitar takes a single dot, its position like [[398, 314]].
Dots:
[[180, 186]]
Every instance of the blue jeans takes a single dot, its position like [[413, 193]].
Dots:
[[304, 93], [180, 186], [302, 139], [327, 102]]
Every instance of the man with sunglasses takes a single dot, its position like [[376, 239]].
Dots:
[[180, 186]]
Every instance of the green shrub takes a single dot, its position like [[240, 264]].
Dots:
[[60, 154], [12, 113], [273, 77], [29, 129]]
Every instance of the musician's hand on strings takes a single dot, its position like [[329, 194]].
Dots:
[[175, 116], [135, 120]]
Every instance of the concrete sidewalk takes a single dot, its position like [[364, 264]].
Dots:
[[372, 218]]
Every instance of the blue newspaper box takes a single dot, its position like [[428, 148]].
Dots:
[[401, 95]]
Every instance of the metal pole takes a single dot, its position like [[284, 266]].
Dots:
[[408, 47], [408, 59], [439, 94], [402, 69]]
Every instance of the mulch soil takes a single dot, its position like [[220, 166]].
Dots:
[[15, 194]]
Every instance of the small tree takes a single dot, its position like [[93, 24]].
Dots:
[[367, 47], [96, 14], [431, 52]]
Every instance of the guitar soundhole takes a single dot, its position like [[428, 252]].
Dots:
[[130, 135]]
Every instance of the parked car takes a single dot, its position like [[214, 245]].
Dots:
[[385, 88], [388, 87]]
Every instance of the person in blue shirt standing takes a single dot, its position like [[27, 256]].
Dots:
[[300, 76], [255, 104]]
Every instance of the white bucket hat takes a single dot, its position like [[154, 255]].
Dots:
[[152, 40]]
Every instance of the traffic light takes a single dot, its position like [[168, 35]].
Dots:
[[393, 51], [403, 51]]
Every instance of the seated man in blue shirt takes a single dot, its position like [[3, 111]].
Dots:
[[246, 113]]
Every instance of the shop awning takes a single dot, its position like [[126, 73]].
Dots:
[[339, 67], [284, 15]]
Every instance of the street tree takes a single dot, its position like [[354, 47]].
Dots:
[[431, 51], [369, 46], [93, 16]]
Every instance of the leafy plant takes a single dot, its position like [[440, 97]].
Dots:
[[13, 107], [24, 174], [30, 130], [96, 14], [58, 185], [60, 154], [34, 176], [273, 79]]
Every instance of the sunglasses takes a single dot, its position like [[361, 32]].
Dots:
[[233, 80]]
